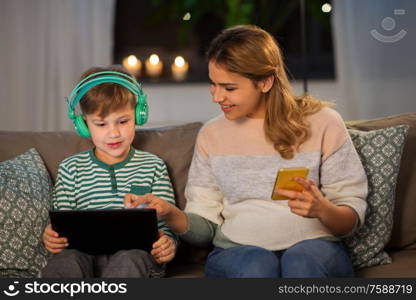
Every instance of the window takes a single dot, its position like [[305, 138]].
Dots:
[[185, 28]]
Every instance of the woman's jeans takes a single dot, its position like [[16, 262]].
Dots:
[[308, 258]]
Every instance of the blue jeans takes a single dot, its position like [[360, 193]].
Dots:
[[308, 258]]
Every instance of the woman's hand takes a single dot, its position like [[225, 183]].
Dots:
[[163, 208], [309, 203], [53, 243], [164, 248]]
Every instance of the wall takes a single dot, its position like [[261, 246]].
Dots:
[[182, 103]]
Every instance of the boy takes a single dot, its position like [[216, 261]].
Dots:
[[112, 103]]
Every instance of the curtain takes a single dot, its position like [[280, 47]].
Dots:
[[45, 45], [375, 43]]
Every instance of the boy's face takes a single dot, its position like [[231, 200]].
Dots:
[[112, 135]]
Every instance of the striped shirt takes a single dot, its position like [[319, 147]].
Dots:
[[84, 182]]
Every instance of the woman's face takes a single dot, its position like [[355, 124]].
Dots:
[[238, 96]]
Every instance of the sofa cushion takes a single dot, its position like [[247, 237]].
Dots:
[[404, 223], [53, 147], [380, 152], [25, 194]]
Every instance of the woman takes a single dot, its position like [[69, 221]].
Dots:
[[265, 128]]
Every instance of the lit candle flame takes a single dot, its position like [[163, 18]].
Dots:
[[132, 60], [179, 61], [154, 59], [154, 66], [132, 64], [179, 68]]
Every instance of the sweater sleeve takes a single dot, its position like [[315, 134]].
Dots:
[[64, 190], [343, 179], [204, 199], [162, 188], [202, 233]]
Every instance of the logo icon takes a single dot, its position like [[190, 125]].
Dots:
[[389, 24], [11, 291]]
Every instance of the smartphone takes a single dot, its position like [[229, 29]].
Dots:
[[284, 180]]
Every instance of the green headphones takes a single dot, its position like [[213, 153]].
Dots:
[[142, 110]]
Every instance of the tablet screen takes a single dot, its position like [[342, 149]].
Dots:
[[106, 231]]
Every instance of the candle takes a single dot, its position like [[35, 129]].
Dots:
[[154, 66], [133, 65], [179, 68]]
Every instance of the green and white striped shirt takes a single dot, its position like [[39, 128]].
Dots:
[[84, 182]]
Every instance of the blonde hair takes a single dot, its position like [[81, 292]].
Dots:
[[107, 97], [253, 53]]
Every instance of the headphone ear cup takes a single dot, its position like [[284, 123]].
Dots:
[[81, 128], [142, 109]]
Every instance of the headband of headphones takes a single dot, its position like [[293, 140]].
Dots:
[[106, 77]]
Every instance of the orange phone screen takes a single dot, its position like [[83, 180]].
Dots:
[[284, 180]]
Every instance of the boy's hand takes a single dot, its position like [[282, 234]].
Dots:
[[164, 248], [52, 241], [163, 208]]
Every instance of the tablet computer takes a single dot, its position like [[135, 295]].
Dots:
[[106, 231]]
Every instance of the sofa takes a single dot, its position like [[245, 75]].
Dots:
[[175, 146]]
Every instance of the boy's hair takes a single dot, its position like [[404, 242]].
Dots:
[[108, 97]]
